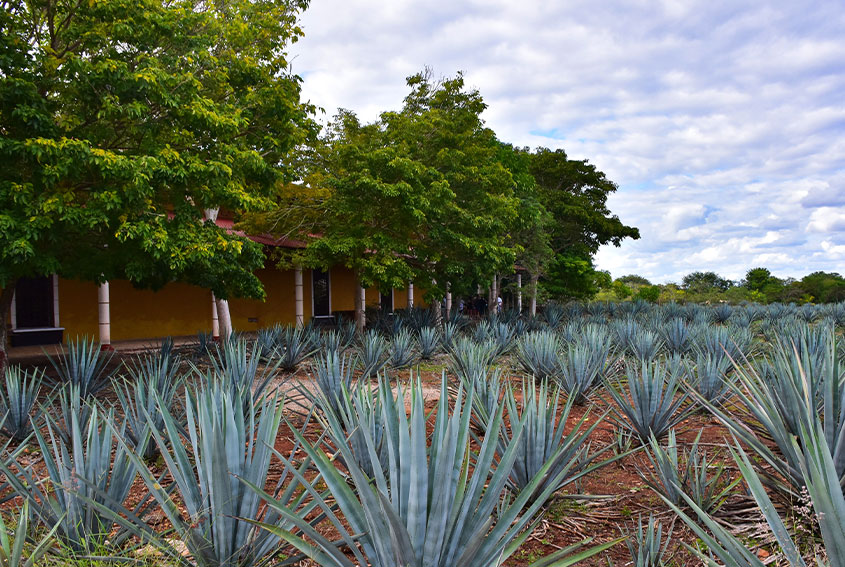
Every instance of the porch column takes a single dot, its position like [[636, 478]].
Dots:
[[533, 292], [299, 294], [410, 295], [215, 320], [519, 293], [104, 316], [448, 299]]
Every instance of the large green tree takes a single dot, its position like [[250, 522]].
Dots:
[[575, 193], [121, 121], [420, 194]]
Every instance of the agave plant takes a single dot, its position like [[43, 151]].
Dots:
[[543, 445], [582, 367], [12, 550], [229, 448], [151, 385], [85, 365], [793, 390], [676, 336], [372, 352], [468, 358], [554, 314], [486, 384], [625, 330], [402, 349], [428, 340], [451, 331], [86, 488], [645, 345], [295, 344], [431, 506], [238, 365], [688, 472], [650, 401], [504, 336], [537, 353], [711, 379], [646, 546], [825, 493], [17, 400], [332, 372]]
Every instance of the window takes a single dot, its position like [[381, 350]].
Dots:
[[320, 294], [34, 305], [387, 301]]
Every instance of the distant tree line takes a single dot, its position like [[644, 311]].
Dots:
[[759, 284]]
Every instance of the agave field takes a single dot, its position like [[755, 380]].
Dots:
[[593, 434]]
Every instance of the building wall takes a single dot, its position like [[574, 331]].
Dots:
[[180, 309]]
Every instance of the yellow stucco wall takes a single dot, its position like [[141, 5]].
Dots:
[[181, 309]]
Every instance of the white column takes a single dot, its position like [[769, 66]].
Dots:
[[410, 295], [534, 279], [104, 315], [300, 296], [215, 319], [519, 292], [448, 299]]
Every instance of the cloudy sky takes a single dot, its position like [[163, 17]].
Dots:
[[722, 122]]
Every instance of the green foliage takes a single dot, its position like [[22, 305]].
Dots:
[[12, 549], [123, 121]]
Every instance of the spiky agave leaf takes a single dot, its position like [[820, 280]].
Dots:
[[230, 438], [402, 349], [538, 354], [432, 506], [646, 546], [649, 401], [12, 550], [372, 352], [332, 372], [429, 339], [85, 365], [468, 358], [17, 400], [84, 480], [544, 444]]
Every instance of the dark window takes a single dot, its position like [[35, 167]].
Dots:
[[321, 292], [34, 303], [387, 301]]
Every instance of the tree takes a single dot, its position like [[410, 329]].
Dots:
[[824, 287], [705, 282], [420, 194], [122, 122], [633, 279], [575, 193]]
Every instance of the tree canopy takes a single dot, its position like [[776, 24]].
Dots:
[[121, 122]]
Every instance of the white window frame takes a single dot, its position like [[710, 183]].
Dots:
[[56, 323]]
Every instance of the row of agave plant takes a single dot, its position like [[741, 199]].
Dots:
[[782, 399]]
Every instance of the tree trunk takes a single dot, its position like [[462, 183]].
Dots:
[[360, 307], [5, 307], [533, 292], [225, 319]]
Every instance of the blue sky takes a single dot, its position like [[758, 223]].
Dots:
[[723, 123]]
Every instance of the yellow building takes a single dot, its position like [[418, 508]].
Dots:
[[52, 309]]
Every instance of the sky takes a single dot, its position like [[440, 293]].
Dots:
[[722, 122]]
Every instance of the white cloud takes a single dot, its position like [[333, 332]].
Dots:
[[722, 122]]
